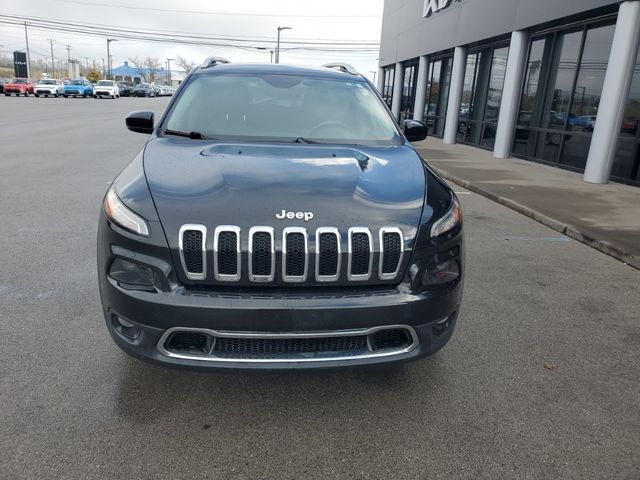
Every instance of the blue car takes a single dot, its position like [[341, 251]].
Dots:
[[78, 87]]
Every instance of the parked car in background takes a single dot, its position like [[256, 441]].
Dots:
[[143, 90], [79, 87], [2, 82], [19, 86], [125, 89], [49, 86], [106, 88]]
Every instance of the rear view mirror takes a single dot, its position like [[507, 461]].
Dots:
[[141, 122], [415, 130]]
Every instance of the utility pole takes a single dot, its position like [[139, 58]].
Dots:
[[103, 71], [53, 62], [68, 47], [278, 44], [109, 40], [86, 61], [26, 37], [169, 70]]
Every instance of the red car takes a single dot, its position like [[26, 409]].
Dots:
[[19, 86]]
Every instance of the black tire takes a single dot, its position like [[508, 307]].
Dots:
[[26, 94], [7, 94], [36, 95]]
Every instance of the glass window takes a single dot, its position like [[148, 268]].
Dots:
[[409, 91], [282, 108], [494, 95], [387, 87], [586, 96], [561, 95]]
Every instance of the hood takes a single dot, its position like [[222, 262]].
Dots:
[[248, 185]]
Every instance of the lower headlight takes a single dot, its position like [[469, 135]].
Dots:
[[441, 273], [132, 274], [119, 214]]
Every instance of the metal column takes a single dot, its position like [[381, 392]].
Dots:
[[615, 90], [398, 87], [516, 64], [455, 95], [421, 88]]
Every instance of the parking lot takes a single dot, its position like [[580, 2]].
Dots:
[[541, 378]]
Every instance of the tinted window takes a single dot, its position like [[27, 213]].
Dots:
[[282, 107]]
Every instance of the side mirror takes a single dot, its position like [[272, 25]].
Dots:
[[415, 130], [141, 122]]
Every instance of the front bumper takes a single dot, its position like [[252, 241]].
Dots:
[[14, 90], [107, 93], [46, 91], [429, 317]]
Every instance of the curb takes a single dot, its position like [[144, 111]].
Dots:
[[566, 229]]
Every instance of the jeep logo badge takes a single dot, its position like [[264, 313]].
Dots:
[[306, 216]]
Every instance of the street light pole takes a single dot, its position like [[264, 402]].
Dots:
[[169, 70], [278, 44], [109, 40]]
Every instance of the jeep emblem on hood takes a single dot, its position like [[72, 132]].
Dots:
[[306, 216]]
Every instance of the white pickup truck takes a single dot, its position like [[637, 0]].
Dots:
[[106, 88]]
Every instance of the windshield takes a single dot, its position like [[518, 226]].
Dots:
[[105, 83], [282, 107], [47, 82], [143, 85], [19, 80], [75, 82]]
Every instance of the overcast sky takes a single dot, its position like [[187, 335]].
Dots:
[[330, 20]]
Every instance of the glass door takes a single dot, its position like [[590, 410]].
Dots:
[[437, 95]]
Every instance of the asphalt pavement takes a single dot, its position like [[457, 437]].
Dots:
[[541, 378]]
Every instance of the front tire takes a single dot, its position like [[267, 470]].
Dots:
[[36, 95]]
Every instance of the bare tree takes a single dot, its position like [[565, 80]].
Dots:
[[185, 64], [153, 64], [139, 66]]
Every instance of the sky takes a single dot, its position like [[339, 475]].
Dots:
[[254, 20]]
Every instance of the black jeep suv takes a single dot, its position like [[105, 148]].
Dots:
[[279, 218]]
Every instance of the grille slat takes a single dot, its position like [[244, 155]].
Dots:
[[328, 254], [294, 254], [391, 252], [360, 259], [193, 255], [261, 254], [226, 246]]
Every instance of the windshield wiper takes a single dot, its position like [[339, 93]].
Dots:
[[180, 133], [303, 140]]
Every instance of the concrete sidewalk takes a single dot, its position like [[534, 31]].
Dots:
[[606, 217]]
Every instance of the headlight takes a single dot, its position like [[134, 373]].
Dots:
[[449, 221], [119, 214]]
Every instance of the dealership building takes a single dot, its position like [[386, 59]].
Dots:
[[550, 81]]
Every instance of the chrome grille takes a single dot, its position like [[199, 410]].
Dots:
[[296, 247], [193, 253], [226, 253]]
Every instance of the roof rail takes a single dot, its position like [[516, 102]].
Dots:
[[343, 67], [213, 61]]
